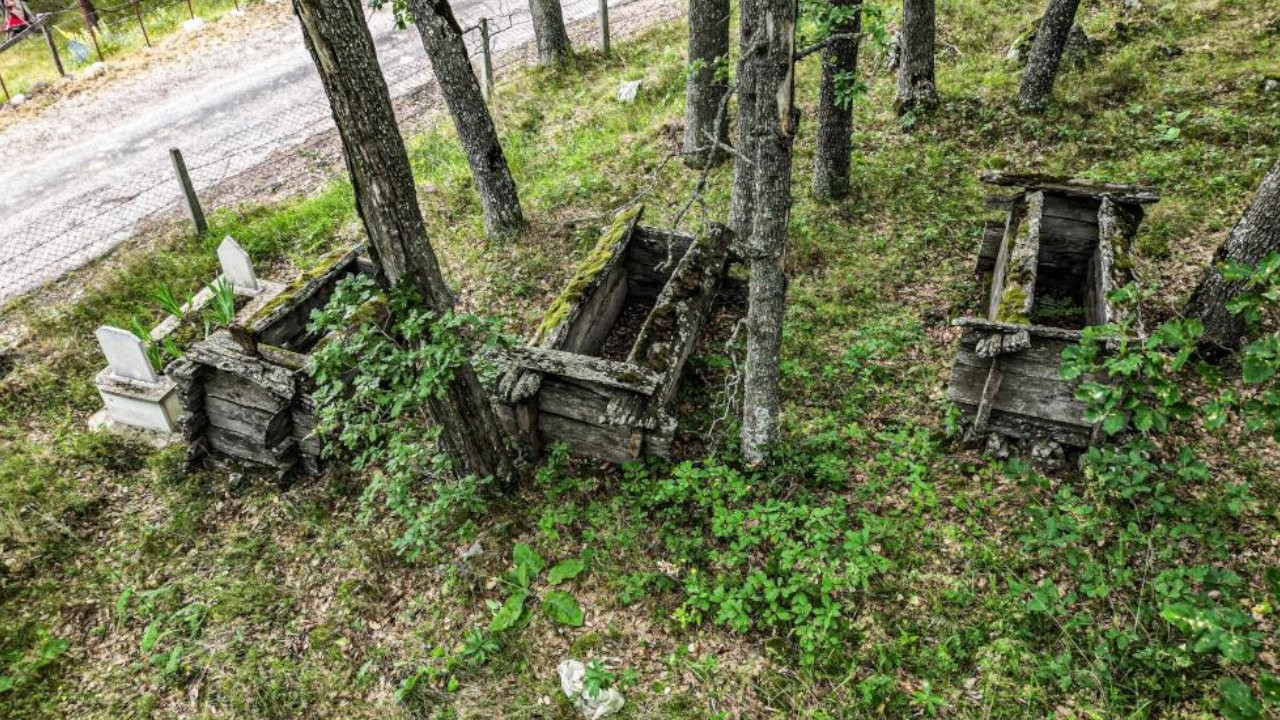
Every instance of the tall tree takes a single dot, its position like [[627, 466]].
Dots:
[[89, 13], [741, 204], [549, 31], [1046, 53], [705, 125], [775, 127], [834, 144], [442, 37], [917, 89], [338, 39], [1255, 236]]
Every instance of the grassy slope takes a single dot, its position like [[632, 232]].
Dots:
[[285, 604]]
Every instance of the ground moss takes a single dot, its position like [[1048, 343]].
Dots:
[[585, 275]]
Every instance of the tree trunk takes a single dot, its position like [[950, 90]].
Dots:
[[1255, 236], [916, 87], [708, 48], [776, 120], [442, 38], [834, 144], [1046, 53], [549, 31], [741, 205], [338, 39]]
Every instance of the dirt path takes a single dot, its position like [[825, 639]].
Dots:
[[96, 162]]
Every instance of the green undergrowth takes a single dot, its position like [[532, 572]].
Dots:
[[877, 568]]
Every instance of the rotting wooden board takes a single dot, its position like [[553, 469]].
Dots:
[[1020, 394], [240, 447], [625, 376], [1072, 186], [1025, 427]]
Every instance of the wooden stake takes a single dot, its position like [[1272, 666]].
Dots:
[[138, 14], [5, 89], [53, 49], [604, 26], [486, 66], [188, 191]]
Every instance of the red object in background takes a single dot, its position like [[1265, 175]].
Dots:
[[13, 20]]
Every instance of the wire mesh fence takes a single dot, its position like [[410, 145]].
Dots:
[[37, 246]]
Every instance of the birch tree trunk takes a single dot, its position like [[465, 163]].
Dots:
[[775, 118], [549, 31], [442, 38], [1255, 236], [1046, 54], [704, 125], [338, 39], [916, 86], [741, 205], [834, 144]]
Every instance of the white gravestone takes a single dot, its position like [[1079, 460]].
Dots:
[[236, 267], [126, 356]]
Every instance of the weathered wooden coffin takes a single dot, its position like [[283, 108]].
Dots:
[[1046, 269], [243, 389], [590, 378]]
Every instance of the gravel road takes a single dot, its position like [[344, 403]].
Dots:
[[94, 164]]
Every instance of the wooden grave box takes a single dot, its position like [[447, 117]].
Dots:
[[1046, 269], [603, 367], [244, 390]]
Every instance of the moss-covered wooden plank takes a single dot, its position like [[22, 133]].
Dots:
[[1076, 187], [622, 375], [1013, 289]]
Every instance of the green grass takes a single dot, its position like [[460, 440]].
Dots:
[[285, 603]]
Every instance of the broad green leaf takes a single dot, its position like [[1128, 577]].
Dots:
[[563, 608], [509, 614], [1270, 686], [566, 570], [1257, 370], [150, 636], [528, 563], [1238, 702], [7, 683], [1113, 423], [175, 659]]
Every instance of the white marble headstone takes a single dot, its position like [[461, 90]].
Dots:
[[236, 266], [126, 355]]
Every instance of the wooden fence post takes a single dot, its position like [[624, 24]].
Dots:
[[188, 191], [137, 12], [604, 26], [5, 89], [486, 64], [53, 49]]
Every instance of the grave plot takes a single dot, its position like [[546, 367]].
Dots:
[[604, 365], [1045, 271], [135, 395], [244, 391]]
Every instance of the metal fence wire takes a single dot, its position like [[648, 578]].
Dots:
[[37, 247]]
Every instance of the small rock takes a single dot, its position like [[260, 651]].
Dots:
[[997, 446], [627, 91], [1132, 5], [1270, 85], [94, 70], [1048, 454], [18, 99], [193, 25], [235, 479]]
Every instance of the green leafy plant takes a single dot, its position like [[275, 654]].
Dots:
[[168, 302], [388, 359], [557, 605], [222, 308]]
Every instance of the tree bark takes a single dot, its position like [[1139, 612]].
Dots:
[[1046, 54], [741, 204], [776, 119], [549, 31], [1255, 236], [834, 144], [89, 13], [917, 89], [442, 38], [708, 48], [338, 39]]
